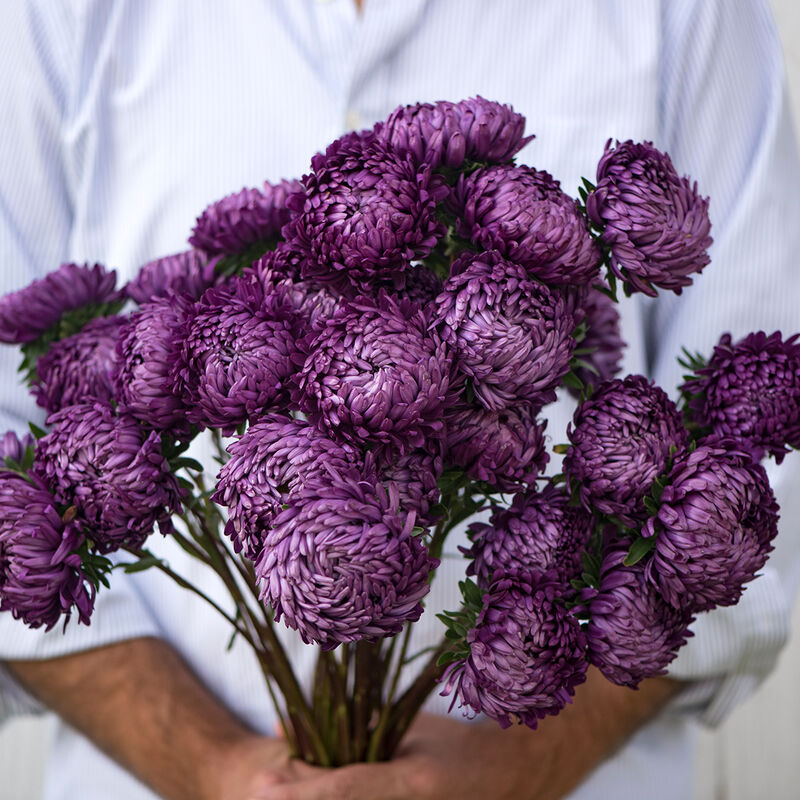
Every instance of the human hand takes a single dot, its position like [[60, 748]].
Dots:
[[439, 758], [248, 769]]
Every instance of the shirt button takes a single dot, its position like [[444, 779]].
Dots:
[[352, 119]]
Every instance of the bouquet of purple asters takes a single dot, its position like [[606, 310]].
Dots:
[[371, 349]]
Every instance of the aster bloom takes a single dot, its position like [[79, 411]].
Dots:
[[239, 221], [446, 134], [622, 439], [41, 576], [422, 286], [504, 448], [28, 313], [237, 354], [376, 373], [313, 303], [714, 528], [111, 471], [539, 531], [512, 336], [526, 653], [365, 215], [750, 391], [341, 564], [602, 346], [183, 273], [268, 465], [654, 223], [414, 475], [148, 349], [524, 215], [13, 448], [633, 633], [80, 367]]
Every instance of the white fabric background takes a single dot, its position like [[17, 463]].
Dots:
[[753, 755]]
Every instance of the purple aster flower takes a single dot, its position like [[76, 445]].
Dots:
[[654, 223], [505, 448], [111, 471], [524, 215], [268, 465], [633, 633], [239, 221], [314, 303], [445, 134], [421, 286], [714, 528], [539, 531], [183, 273], [512, 335], [341, 565], [13, 448], [365, 215], [414, 476], [41, 577], [526, 653], [26, 314], [237, 353], [622, 440], [80, 367], [377, 373], [602, 346], [148, 349], [750, 391]]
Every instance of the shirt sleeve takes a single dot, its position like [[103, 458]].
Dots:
[[725, 120], [36, 54]]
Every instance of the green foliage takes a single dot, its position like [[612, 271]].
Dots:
[[640, 547]]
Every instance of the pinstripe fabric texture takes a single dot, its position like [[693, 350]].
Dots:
[[125, 117]]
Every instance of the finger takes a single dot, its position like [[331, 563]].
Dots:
[[356, 782]]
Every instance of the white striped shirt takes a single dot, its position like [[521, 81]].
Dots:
[[124, 118]]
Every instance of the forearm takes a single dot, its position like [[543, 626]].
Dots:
[[601, 719], [139, 703]]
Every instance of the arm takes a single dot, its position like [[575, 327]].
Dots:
[[443, 757], [139, 702]]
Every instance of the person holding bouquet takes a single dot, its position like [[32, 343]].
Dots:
[[128, 119]]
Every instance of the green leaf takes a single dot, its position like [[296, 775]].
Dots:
[[639, 549], [184, 462], [37, 432], [142, 564], [572, 381], [448, 658], [471, 593]]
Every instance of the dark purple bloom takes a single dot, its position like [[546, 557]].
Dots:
[[539, 531], [602, 346], [512, 335], [239, 221], [314, 303], [526, 653], [376, 373], [524, 215], [421, 285], [750, 391], [445, 134], [341, 564], [183, 273], [148, 350], [80, 367], [28, 313], [714, 528], [41, 578], [365, 215], [622, 439], [414, 476], [505, 448], [269, 465], [654, 223], [111, 471], [237, 353], [13, 448], [633, 633]]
